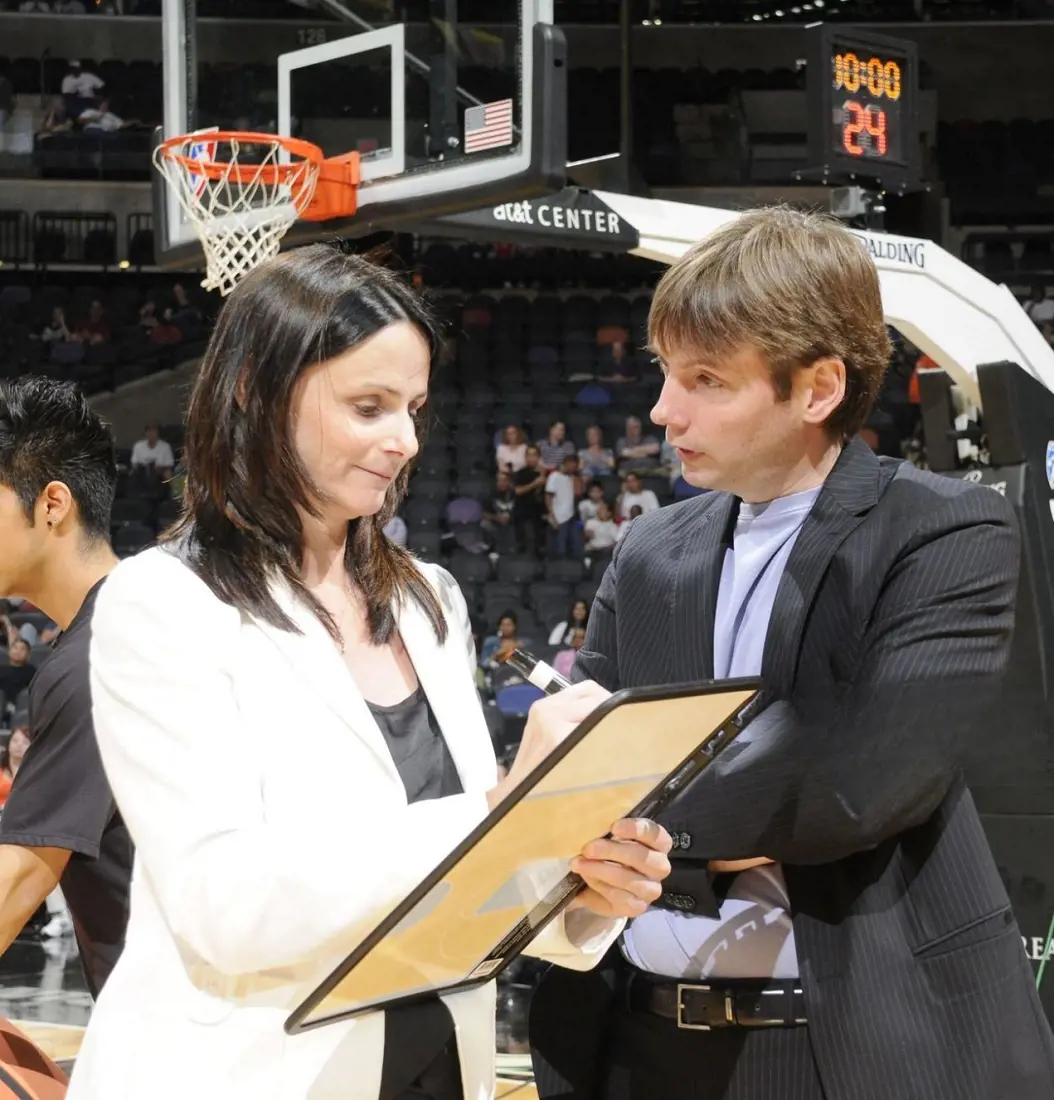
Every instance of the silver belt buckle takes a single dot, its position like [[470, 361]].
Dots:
[[681, 987]]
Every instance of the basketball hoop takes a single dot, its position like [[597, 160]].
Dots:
[[243, 191]]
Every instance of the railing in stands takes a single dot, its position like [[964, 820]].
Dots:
[[68, 236], [14, 237]]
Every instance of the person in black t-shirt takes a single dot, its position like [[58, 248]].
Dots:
[[60, 825], [529, 510]]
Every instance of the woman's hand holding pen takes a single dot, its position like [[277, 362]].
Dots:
[[549, 722], [622, 872]]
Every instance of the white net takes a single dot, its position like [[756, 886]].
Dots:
[[242, 207]]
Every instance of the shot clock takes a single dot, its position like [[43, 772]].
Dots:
[[863, 106]]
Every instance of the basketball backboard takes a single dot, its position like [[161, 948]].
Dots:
[[446, 116]]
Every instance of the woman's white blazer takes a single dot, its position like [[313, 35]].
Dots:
[[269, 822]]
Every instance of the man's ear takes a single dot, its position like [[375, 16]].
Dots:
[[54, 504], [825, 382]]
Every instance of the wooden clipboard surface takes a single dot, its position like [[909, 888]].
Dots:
[[508, 879]]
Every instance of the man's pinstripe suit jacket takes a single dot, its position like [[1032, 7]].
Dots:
[[887, 641]]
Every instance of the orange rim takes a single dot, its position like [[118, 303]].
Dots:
[[292, 174]]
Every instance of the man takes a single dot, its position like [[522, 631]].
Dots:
[[635, 451], [634, 495], [565, 539], [529, 508], [498, 513], [153, 453], [834, 927], [60, 825]]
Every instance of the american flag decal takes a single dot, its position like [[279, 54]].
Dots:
[[488, 126]]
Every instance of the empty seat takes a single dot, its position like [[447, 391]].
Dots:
[[564, 570], [423, 514], [425, 489], [517, 568], [468, 568], [426, 544]]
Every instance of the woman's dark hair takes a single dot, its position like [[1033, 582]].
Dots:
[[240, 525], [508, 614], [571, 613]]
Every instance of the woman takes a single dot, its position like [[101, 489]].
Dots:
[[578, 616], [278, 596], [564, 661], [499, 645], [11, 760], [596, 460], [511, 454], [56, 330]]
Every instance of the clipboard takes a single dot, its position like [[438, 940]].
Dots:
[[509, 878]]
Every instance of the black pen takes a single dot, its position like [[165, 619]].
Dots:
[[537, 672]]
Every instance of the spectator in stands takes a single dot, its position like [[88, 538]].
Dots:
[[96, 330], [56, 330], [56, 121], [148, 315], [564, 661], [616, 365], [1039, 307], [512, 450], [578, 616], [595, 459], [529, 511], [153, 453], [601, 532], [499, 645], [634, 495], [623, 527], [16, 675], [556, 446], [636, 451], [102, 118], [80, 87], [183, 312], [565, 539], [11, 759], [587, 506], [498, 514], [9, 633]]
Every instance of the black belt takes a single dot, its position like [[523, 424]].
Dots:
[[731, 1002]]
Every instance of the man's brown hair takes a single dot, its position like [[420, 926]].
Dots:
[[796, 286]]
